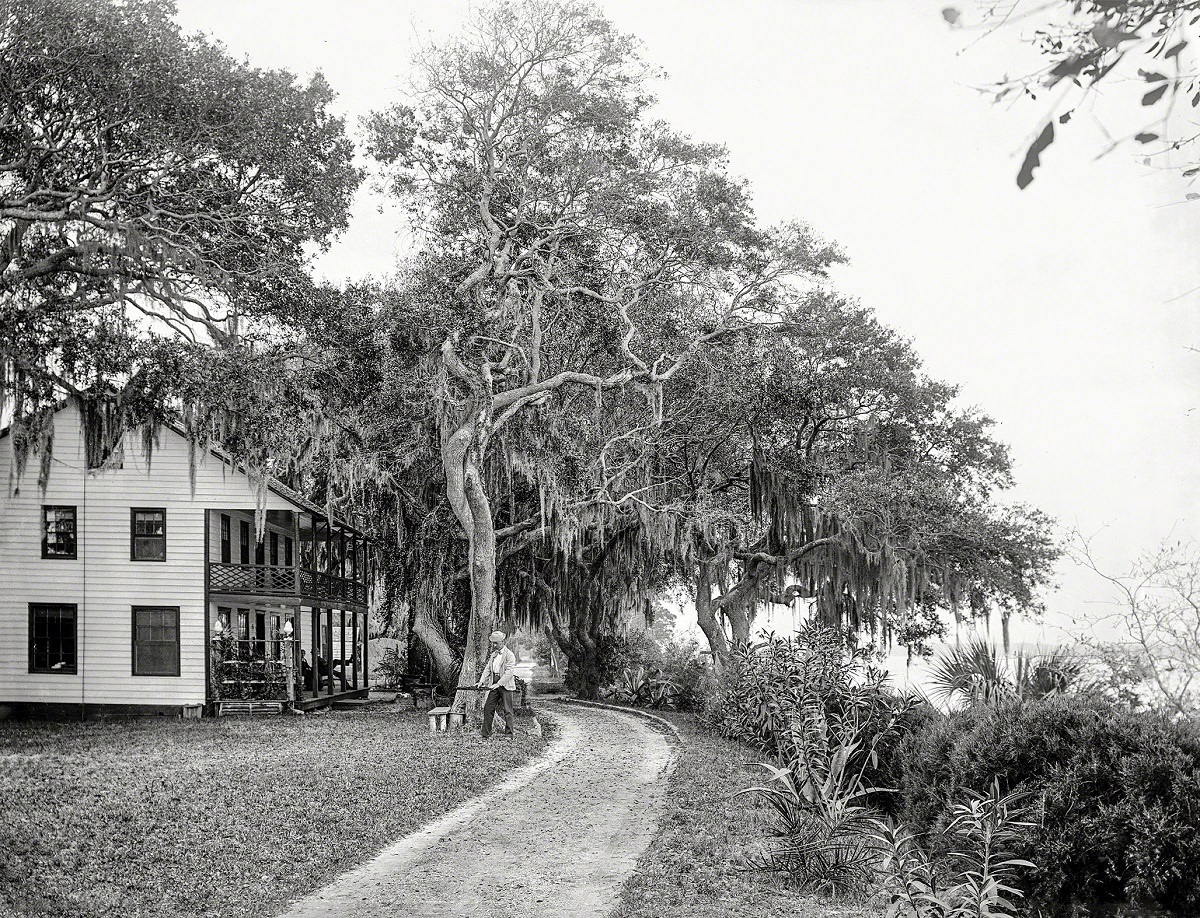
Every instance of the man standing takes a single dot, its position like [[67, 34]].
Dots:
[[499, 678]]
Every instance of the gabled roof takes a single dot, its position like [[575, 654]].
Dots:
[[273, 484]]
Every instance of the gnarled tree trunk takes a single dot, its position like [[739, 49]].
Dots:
[[430, 633], [706, 618], [462, 458]]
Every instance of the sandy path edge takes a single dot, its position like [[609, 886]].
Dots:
[[558, 836]]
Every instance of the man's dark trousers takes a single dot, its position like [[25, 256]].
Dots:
[[504, 698]]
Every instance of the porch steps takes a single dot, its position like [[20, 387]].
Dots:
[[227, 708], [353, 704]]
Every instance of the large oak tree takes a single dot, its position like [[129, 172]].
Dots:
[[576, 243], [157, 198]]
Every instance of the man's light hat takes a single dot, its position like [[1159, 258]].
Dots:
[[499, 636]]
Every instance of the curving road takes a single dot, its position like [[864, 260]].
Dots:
[[558, 837]]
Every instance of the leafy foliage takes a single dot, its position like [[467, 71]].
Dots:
[[695, 865], [390, 669], [976, 673], [661, 673], [826, 721], [1089, 45], [156, 198], [1119, 794], [977, 876], [630, 384]]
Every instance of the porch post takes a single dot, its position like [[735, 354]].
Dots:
[[316, 631], [366, 649], [329, 562], [297, 640], [342, 629], [312, 558], [289, 667], [296, 559], [354, 641], [342, 552], [329, 648]]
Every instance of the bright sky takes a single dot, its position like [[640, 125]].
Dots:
[[1066, 311]]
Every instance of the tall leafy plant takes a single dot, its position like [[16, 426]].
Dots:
[[827, 720], [979, 876]]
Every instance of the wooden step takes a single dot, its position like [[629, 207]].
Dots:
[[228, 708]]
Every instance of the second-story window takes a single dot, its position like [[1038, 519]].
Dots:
[[148, 534], [226, 540], [287, 550], [274, 549], [244, 538], [58, 532]]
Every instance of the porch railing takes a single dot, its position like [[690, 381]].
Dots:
[[251, 578], [266, 578], [239, 673], [330, 587]]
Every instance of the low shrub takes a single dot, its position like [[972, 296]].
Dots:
[[977, 875], [1118, 795], [767, 683], [824, 715], [654, 674]]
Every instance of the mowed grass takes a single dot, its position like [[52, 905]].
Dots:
[[230, 817], [694, 868]]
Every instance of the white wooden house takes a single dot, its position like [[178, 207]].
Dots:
[[125, 591]]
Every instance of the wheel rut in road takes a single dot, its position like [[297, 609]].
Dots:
[[557, 837]]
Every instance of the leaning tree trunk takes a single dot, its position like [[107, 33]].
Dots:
[[430, 634], [738, 613], [462, 458], [706, 618], [584, 673]]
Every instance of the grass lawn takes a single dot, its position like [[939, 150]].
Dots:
[[691, 868], [228, 817]]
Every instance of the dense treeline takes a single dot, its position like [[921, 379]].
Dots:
[[597, 378]]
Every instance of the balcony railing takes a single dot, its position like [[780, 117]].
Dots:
[[265, 578], [251, 578], [331, 587]]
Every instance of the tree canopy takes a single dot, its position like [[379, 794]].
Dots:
[[624, 384], [156, 200], [596, 380]]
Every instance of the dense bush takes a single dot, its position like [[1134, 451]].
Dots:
[[609, 659], [767, 683], [1118, 794], [823, 714], [657, 674]]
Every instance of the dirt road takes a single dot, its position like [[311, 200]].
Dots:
[[558, 837]]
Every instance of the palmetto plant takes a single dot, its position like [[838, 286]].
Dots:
[[976, 673], [645, 688], [823, 831], [977, 879]]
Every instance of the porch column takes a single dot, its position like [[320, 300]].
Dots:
[[342, 629], [329, 648], [366, 646], [297, 644], [296, 563], [316, 631], [329, 561], [354, 641]]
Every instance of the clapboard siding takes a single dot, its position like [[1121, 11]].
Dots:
[[104, 582]]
